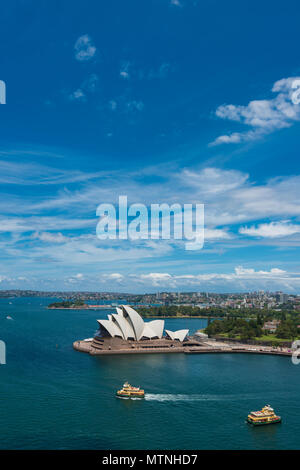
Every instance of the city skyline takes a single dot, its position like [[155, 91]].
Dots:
[[173, 104]]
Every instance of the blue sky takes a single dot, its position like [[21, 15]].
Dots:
[[163, 101]]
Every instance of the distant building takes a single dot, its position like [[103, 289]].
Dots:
[[271, 325], [283, 298], [201, 335]]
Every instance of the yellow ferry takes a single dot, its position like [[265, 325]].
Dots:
[[265, 416], [130, 392]]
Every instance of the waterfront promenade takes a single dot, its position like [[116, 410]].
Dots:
[[204, 347], [210, 346]]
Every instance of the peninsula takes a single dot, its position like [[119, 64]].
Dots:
[[68, 304], [125, 332]]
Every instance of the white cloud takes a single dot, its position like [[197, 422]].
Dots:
[[157, 279], [27, 173], [113, 277], [129, 71], [124, 74], [176, 3], [262, 116], [89, 85], [77, 95], [51, 237], [250, 273], [216, 234], [229, 196], [34, 223], [54, 216], [124, 71], [75, 279], [84, 48], [79, 276], [116, 276], [85, 251], [271, 230], [240, 279], [212, 181]]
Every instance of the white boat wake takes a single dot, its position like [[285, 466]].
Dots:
[[179, 397]]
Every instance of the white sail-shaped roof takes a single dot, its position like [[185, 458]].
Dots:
[[148, 332], [136, 321], [170, 334], [124, 325], [114, 320], [157, 326], [180, 335], [129, 325], [111, 327]]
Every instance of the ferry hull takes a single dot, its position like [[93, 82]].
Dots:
[[263, 423], [130, 395]]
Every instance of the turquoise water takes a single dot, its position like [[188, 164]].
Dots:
[[53, 397]]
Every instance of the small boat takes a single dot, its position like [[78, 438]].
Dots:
[[265, 416], [130, 392]]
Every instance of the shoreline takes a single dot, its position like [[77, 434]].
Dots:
[[68, 308], [204, 348], [149, 316]]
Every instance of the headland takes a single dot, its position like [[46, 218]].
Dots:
[[125, 332]]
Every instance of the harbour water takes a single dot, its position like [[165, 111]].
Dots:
[[53, 397]]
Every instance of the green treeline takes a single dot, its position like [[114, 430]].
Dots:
[[178, 311], [67, 304], [234, 327], [218, 312], [242, 329]]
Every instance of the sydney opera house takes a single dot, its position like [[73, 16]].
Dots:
[[126, 332]]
